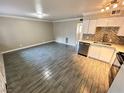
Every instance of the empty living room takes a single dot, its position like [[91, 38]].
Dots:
[[61, 46]]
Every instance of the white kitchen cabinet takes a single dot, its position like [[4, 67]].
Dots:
[[92, 27], [102, 22], [121, 31], [94, 51], [102, 53], [85, 26], [89, 26], [115, 21], [106, 22], [121, 23], [106, 54]]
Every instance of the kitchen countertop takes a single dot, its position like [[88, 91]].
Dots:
[[117, 47]]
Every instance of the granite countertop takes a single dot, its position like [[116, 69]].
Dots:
[[117, 47]]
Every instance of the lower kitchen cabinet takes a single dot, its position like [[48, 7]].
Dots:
[[102, 53], [94, 51], [106, 54]]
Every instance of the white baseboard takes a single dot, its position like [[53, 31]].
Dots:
[[4, 52], [65, 43]]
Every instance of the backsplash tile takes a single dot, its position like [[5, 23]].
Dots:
[[106, 34]]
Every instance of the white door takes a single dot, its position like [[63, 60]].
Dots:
[[79, 31], [79, 34]]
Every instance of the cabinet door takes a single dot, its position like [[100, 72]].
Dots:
[[92, 27], [94, 51], [114, 21], [106, 54], [102, 22], [121, 30], [85, 26]]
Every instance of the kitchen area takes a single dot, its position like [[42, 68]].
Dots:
[[103, 39]]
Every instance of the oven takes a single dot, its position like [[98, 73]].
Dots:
[[116, 67]]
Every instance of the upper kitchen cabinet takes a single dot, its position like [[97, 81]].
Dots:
[[112, 22], [85, 26], [102, 22], [121, 31], [89, 26], [115, 21], [121, 25], [92, 27]]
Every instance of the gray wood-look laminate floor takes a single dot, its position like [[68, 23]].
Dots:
[[54, 68]]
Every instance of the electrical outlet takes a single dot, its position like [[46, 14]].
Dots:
[[110, 40]]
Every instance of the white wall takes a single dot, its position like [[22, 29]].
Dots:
[[65, 29], [16, 33]]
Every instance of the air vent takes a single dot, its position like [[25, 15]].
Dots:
[[116, 12], [81, 19]]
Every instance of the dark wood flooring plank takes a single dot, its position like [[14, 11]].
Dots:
[[54, 68]]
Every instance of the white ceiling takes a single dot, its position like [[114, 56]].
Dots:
[[55, 9]]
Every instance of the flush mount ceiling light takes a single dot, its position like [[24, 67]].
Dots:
[[37, 15], [107, 8], [39, 10], [41, 15], [113, 5], [123, 3]]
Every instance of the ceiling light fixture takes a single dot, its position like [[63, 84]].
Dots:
[[113, 5], [41, 15], [39, 9], [123, 3], [102, 10], [107, 8]]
